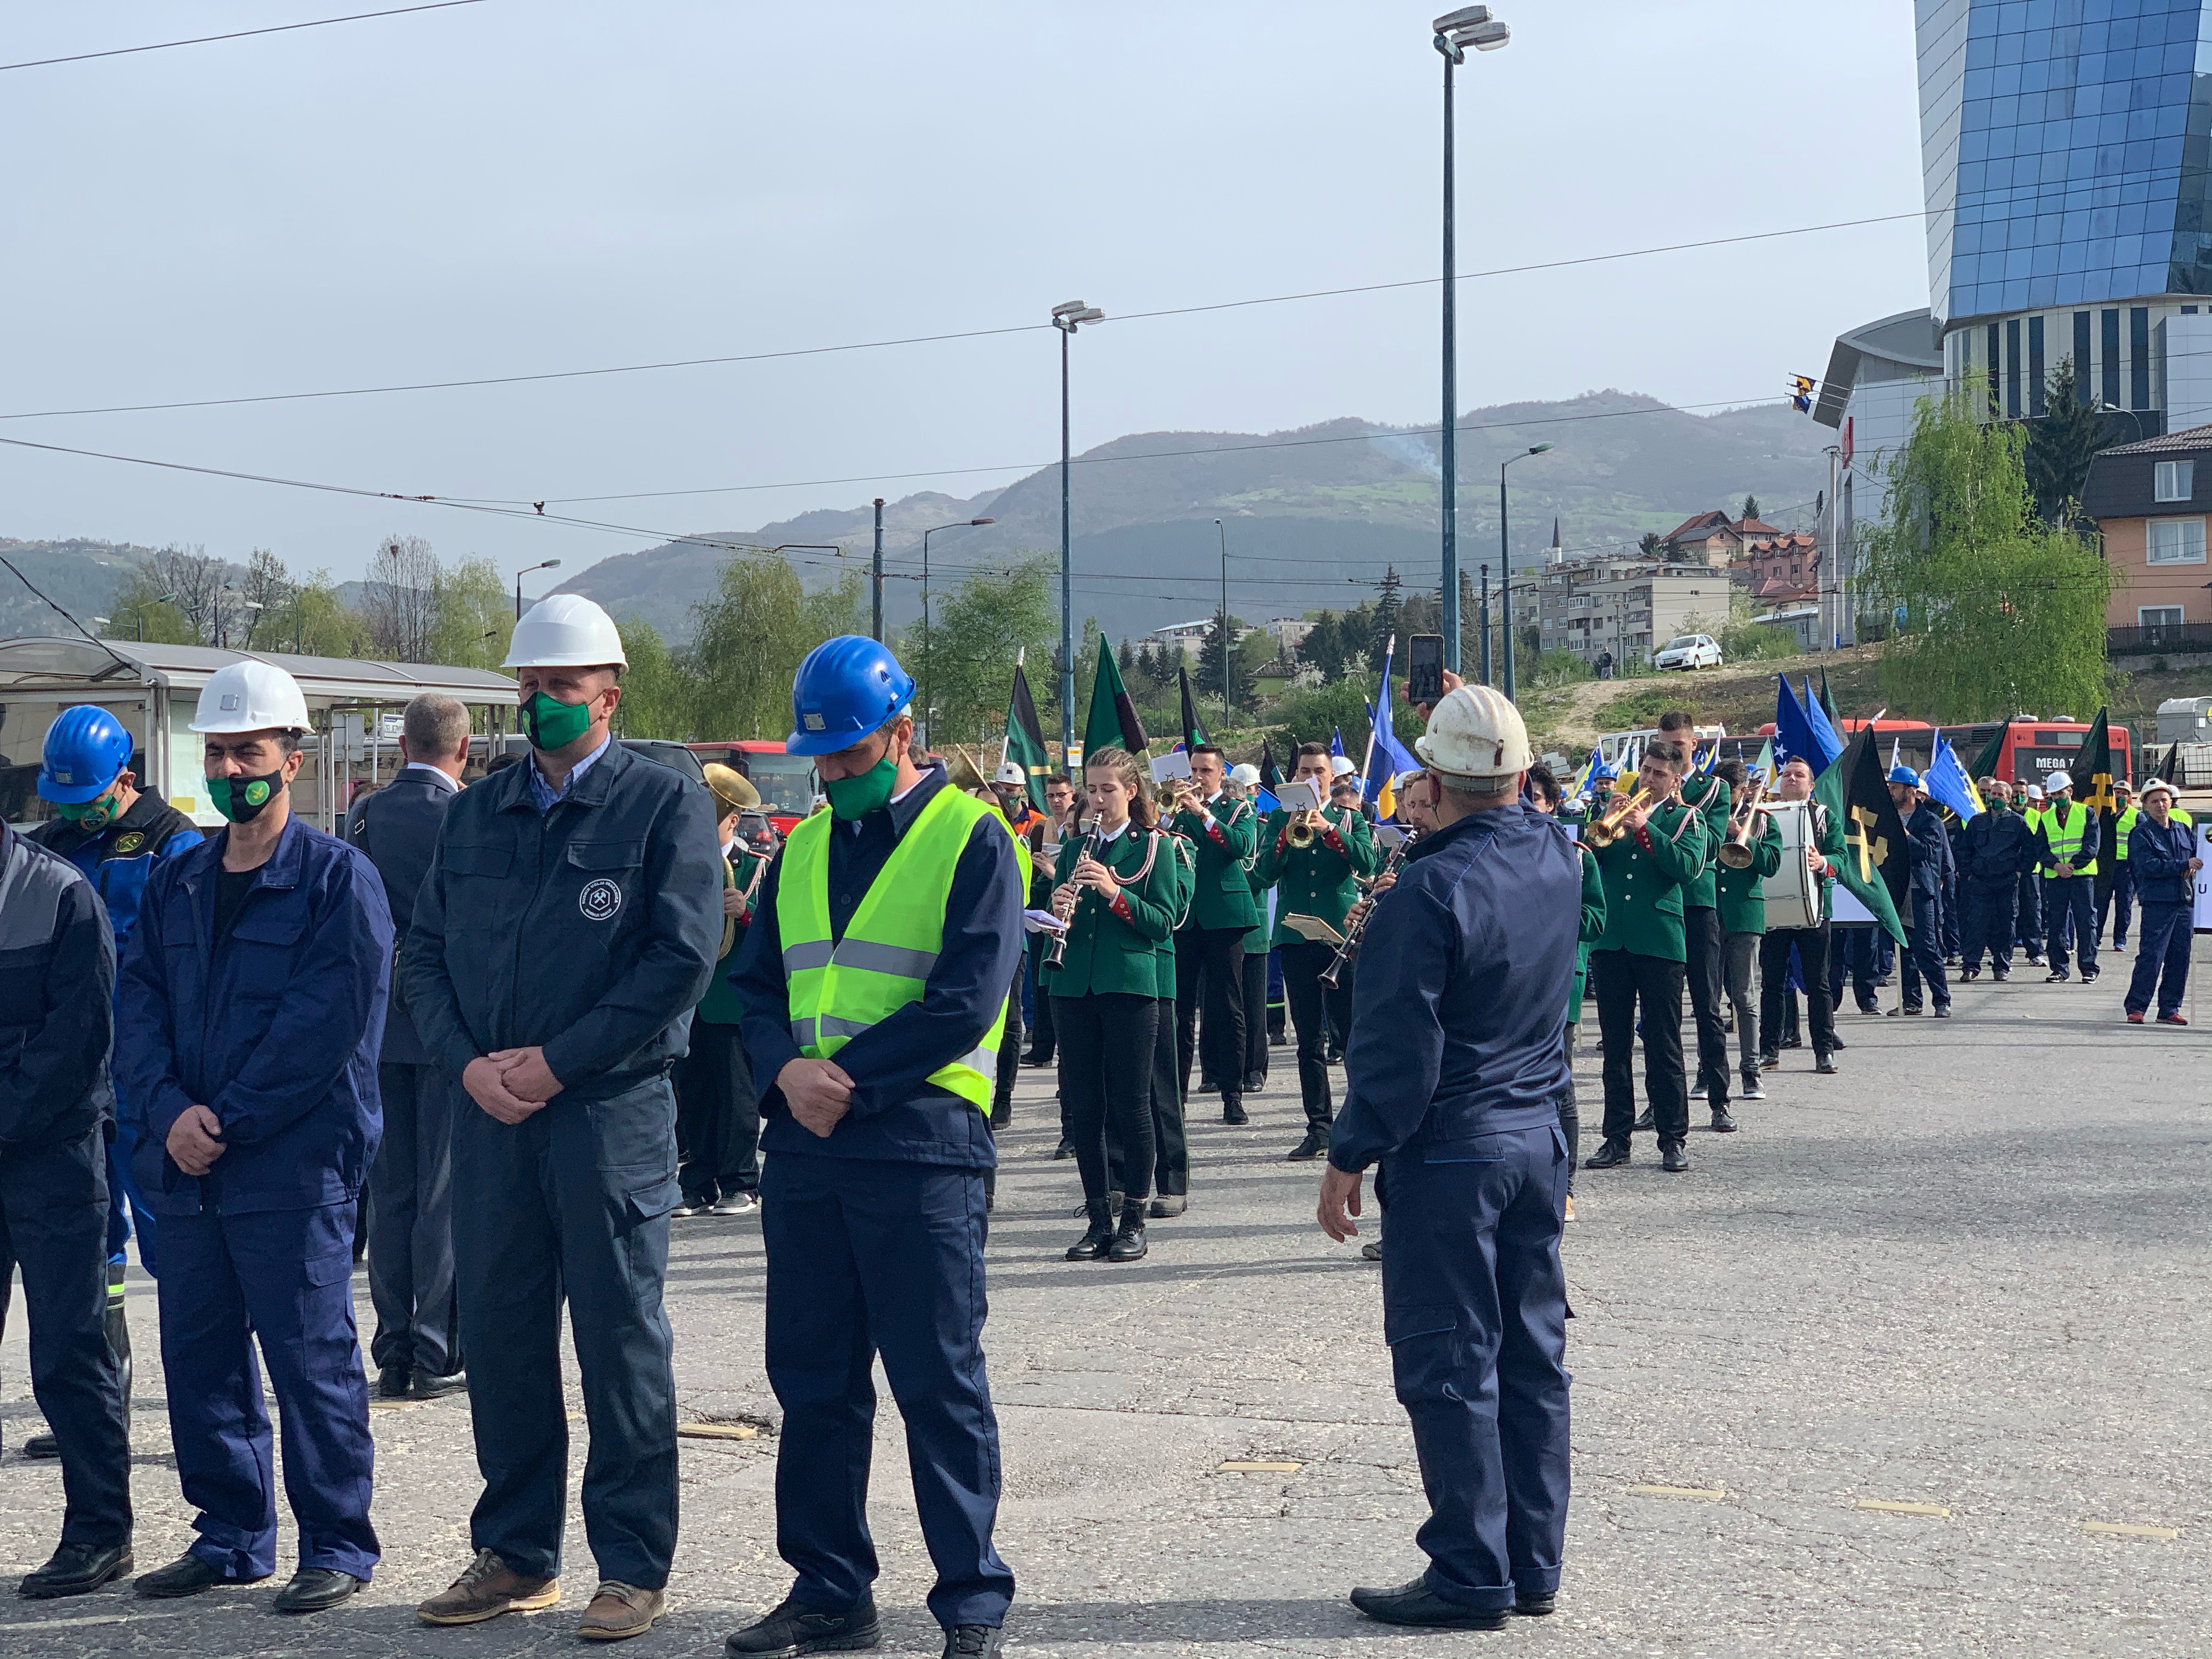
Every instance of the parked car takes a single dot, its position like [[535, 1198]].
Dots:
[[1689, 650]]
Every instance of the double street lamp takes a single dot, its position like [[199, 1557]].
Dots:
[[1505, 563], [1067, 317], [927, 708], [1455, 32]]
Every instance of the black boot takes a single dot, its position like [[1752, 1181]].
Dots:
[[1129, 1243], [1232, 1110], [1092, 1247]]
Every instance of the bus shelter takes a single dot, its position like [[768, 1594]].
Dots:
[[154, 689]]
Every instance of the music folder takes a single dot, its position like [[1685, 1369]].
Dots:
[[1312, 928]]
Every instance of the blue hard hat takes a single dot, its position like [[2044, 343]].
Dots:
[[86, 748], [847, 688], [1905, 775]]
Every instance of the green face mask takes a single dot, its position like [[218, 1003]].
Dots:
[[554, 724], [93, 816], [854, 798], [241, 799]]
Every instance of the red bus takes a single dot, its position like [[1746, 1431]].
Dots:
[[2032, 748], [787, 783]]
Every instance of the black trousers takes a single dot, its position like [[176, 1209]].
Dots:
[[2030, 924], [718, 1122], [1570, 1116], [1812, 945], [1212, 960], [1923, 952], [1255, 1020], [1171, 1145], [1625, 981], [410, 1220], [1314, 1010], [53, 1224], [1010, 1066], [1041, 1036], [1106, 1072], [1706, 973], [2116, 884], [1987, 923], [1852, 950]]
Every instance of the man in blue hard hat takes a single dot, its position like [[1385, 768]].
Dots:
[[874, 985], [1927, 847], [563, 934], [117, 834]]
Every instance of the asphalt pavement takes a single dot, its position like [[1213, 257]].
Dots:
[[1915, 1364]]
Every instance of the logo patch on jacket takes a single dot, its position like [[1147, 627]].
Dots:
[[600, 899], [128, 843]]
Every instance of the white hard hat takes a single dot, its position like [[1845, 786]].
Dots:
[[2035, 792], [250, 696], [2057, 783], [565, 630], [1244, 773], [2158, 785], [1010, 773], [1339, 765], [1476, 735]]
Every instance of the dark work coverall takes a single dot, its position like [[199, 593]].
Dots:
[[272, 1024], [589, 929], [1453, 1081], [410, 1184], [1929, 845], [2168, 888], [1994, 851], [57, 1024], [875, 1236]]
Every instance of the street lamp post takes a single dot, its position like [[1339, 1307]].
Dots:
[[1067, 317], [928, 708], [1505, 565], [165, 598], [549, 564], [1482, 622], [1470, 25], [1223, 631]]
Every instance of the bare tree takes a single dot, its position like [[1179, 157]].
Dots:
[[263, 595], [194, 581], [399, 600]]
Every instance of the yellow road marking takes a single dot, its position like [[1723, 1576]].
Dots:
[[1235, 1467], [1890, 1506], [1704, 1494], [718, 1432], [2123, 1530]]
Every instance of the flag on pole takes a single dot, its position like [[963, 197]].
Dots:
[[1765, 766], [1025, 744], [1193, 729], [1985, 764], [1828, 728], [1795, 737], [1271, 775], [1949, 785], [1828, 703], [1896, 751], [1336, 742], [2091, 773], [1113, 723], [1386, 756], [1874, 865]]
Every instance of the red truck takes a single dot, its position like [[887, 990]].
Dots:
[[787, 783]]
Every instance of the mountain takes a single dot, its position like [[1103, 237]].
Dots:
[[81, 576], [1311, 516]]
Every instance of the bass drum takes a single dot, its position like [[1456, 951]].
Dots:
[[1793, 893]]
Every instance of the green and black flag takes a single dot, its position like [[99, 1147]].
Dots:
[[1875, 867], [1828, 703], [1113, 723], [2091, 773], [1985, 764], [1271, 775], [1025, 737], [1193, 729]]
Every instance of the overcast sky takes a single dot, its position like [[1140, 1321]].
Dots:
[[525, 186]]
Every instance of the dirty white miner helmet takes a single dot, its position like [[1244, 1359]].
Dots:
[[1011, 774], [250, 696], [1475, 740], [565, 630], [1245, 773]]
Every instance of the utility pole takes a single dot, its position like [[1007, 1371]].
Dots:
[[879, 576], [1482, 621]]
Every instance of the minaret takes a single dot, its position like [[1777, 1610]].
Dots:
[[1555, 554]]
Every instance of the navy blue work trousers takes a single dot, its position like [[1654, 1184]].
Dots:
[[1854, 956], [571, 1204], [53, 1224], [2069, 920], [2162, 949], [1923, 957], [2030, 923], [1988, 923], [2116, 893], [1474, 1309], [869, 1256], [286, 1278]]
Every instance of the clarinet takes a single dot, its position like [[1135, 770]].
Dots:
[[1350, 949], [1093, 843]]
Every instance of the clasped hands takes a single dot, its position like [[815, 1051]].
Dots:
[[510, 1083], [819, 1092]]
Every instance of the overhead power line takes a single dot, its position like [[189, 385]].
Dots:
[[237, 34]]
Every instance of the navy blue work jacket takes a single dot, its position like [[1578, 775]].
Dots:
[[2160, 858], [56, 1000], [1928, 846], [896, 1112], [1459, 1007], [1996, 849], [275, 1028], [119, 859], [589, 931]]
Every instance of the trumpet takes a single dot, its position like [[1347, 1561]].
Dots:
[[1605, 828], [1092, 843], [1736, 851], [1305, 826]]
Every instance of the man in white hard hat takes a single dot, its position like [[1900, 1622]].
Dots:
[[2067, 842], [564, 933], [1453, 1081], [252, 1013]]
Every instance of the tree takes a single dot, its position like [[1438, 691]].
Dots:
[[1650, 545], [657, 695], [193, 580], [1750, 506], [2061, 444], [141, 610], [261, 597], [1206, 678], [748, 642], [2002, 611], [989, 620], [1126, 660], [473, 617], [1387, 605], [399, 600]]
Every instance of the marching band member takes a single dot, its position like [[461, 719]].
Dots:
[[1705, 970], [1742, 892], [1824, 846], [1209, 946]]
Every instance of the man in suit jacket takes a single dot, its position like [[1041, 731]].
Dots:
[[1928, 846], [410, 1184]]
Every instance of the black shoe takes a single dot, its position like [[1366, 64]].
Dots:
[[1066, 1149], [1128, 1242], [1943, 1010], [1313, 1145], [395, 1382], [187, 1575], [1869, 1008], [76, 1569], [1793, 1042], [1536, 1607], [1092, 1247], [972, 1642], [1825, 1066], [42, 1446], [1417, 1604], [2034, 960], [2088, 976], [1232, 1111], [1611, 1155], [1906, 1008], [313, 1589], [1837, 1045], [1723, 1124], [1645, 1124], [1752, 1089], [2057, 976], [791, 1629], [1168, 1206], [1673, 1158], [437, 1385], [1770, 1061]]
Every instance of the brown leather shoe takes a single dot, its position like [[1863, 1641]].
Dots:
[[620, 1610], [486, 1591]]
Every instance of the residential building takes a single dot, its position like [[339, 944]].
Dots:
[[1189, 637], [1627, 606], [1714, 539], [1779, 572], [2150, 501]]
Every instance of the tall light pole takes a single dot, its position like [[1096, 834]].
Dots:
[[1505, 565], [1224, 629], [1470, 25], [962, 524], [549, 564], [1067, 317], [165, 598], [1482, 624], [876, 585]]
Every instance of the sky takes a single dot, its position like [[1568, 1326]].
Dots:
[[522, 186]]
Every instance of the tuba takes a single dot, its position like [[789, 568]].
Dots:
[[1736, 851], [1605, 828]]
